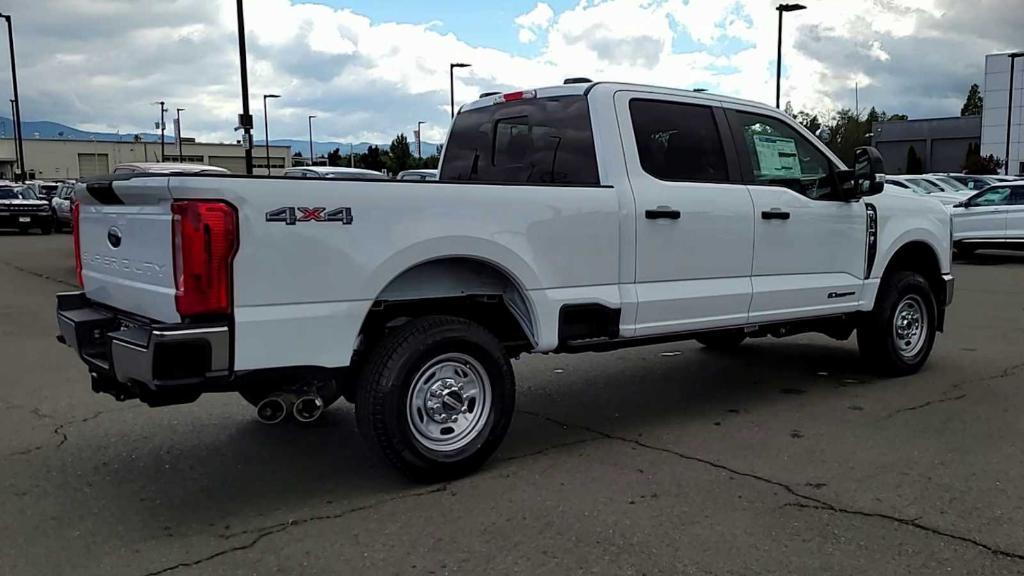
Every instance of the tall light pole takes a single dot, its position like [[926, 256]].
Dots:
[[451, 81], [245, 118], [163, 109], [419, 138], [266, 128], [1009, 110], [17, 100], [16, 135], [311, 157], [778, 59], [177, 132]]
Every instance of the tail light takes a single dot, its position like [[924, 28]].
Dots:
[[78, 246], [205, 237]]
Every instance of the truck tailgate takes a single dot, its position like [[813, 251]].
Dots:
[[125, 236]]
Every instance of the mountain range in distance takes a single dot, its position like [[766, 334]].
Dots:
[[54, 130]]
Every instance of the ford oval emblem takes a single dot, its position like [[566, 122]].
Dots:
[[114, 237]]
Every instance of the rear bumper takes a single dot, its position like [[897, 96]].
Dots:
[[132, 358]]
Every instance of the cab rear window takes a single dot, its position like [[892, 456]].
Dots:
[[534, 141]]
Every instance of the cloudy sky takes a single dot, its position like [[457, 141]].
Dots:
[[371, 68]]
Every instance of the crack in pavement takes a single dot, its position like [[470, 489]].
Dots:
[[821, 503], [60, 432], [39, 274], [551, 448], [1004, 373], [265, 531], [261, 533], [925, 405]]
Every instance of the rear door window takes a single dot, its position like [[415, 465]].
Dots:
[[678, 142], [530, 141]]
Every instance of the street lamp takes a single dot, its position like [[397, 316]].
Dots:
[[17, 134], [419, 138], [245, 119], [266, 128], [451, 81], [778, 59], [17, 100], [311, 157], [177, 132], [1009, 109], [162, 126]]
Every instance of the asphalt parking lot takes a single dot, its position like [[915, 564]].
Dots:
[[786, 456]]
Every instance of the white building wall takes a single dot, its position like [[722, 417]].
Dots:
[[993, 122]]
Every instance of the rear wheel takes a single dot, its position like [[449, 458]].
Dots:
[[897, 336], [436, 397]]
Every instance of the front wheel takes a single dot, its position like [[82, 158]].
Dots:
[[46, 230], [436, 397], [897, 336]]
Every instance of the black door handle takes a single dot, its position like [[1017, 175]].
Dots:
[[774, 215], [662, 212]]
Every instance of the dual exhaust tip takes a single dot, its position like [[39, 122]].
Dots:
[[274, 408]]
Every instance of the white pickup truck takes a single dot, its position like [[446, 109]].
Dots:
[[572, 218]]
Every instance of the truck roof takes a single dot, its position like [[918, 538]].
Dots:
[[586, 88]]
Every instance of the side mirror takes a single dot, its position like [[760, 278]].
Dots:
[[962, 204], [868, 172]]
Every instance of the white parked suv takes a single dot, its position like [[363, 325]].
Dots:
[[573, 218], [990, 219]]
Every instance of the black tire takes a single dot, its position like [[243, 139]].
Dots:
[[383, 397], [722, 340], [877, 332], [46, 230]]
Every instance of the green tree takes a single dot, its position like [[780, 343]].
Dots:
[[809, 121], [431, 161], [973, 105], [401, 157], [372, 159], [334, 158], [914, 164]]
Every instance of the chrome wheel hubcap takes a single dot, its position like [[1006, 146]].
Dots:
[[448, 402], [910, 326]]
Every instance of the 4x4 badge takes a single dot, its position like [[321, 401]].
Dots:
[[292, 215]]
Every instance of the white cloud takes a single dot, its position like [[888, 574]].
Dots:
[[98, 63], [534, 22]]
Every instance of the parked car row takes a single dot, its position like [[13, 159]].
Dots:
[[342, 173], [22, 210], [992, 218]]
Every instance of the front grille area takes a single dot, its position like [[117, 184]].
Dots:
[[25, 209]]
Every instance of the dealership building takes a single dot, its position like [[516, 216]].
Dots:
[[59, 159], [994, 118]]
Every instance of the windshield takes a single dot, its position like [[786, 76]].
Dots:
[[924, 185], [16, 193], [950, 183]]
